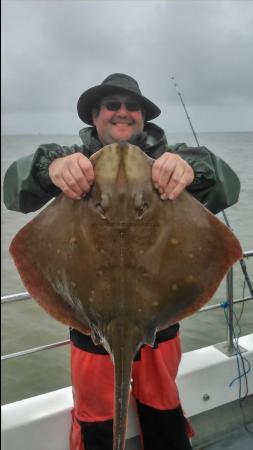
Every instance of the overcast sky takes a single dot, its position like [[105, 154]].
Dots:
[[54, 50]]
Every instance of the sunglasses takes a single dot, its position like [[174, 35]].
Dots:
[[115, 105]]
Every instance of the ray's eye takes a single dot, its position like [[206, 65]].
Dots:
[[103, 204], [141, 204], [142, 208], [99, 207]]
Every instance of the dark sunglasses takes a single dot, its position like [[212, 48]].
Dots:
[[114, 105]]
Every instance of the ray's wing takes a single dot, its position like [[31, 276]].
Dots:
[[192, 252], [55, 256]]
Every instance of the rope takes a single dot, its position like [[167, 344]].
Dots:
[[243, 364]]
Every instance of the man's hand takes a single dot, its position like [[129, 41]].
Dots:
[[170, 175], [73, 174]]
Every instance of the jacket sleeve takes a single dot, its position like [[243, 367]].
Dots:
[[215, 184], [27, 186]]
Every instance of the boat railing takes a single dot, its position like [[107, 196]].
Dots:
[[230, 302]]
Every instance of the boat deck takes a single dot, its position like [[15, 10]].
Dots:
[[239, 440]]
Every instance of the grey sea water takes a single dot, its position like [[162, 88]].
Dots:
[[26, 325]]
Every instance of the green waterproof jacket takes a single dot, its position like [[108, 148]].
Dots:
[[27, 186]]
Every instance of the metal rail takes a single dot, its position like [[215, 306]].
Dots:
[[62, 343], [230, 304], [35, 350], [248, 253], [26, 296], [15, 297]]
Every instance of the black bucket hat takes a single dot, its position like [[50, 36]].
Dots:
[[113, 84]]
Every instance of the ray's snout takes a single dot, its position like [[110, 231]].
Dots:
[[123, 189]]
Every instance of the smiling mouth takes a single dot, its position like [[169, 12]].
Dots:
[[122, 124]]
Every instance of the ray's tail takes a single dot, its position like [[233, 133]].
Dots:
[[124, 344]]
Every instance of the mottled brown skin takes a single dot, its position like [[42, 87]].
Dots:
[[121, 263]]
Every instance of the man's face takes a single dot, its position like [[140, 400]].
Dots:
[[120, 124]]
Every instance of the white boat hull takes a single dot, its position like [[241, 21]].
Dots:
[[43, 422]]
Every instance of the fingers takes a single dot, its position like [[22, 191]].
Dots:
[[86, 168], [70, 184], [170, 175], [73, 174], [186, 178]]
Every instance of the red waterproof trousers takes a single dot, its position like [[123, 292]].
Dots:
[[93, 384]]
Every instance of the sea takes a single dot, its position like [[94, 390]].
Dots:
[[25, 325]]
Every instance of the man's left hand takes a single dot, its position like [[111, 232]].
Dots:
[[171, 174]]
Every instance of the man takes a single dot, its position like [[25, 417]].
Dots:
[[116, 111]]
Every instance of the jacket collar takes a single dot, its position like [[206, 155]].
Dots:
[[152, 138]]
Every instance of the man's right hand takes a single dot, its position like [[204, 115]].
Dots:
[[73, 174]]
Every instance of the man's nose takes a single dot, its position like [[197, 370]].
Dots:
[[123, 110]]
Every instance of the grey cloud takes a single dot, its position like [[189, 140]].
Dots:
[[54, 50]]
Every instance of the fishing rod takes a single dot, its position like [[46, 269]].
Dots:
[[242, 262], [185, 110]]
